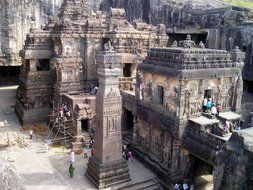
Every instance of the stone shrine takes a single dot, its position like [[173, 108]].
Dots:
[[171, 85], [107, 167]]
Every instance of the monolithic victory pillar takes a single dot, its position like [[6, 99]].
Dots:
[[106, 167]]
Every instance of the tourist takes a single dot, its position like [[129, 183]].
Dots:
[[72, 156], [61, 111], [227, 126], [129, 156], [71, 170], [213, 110], [46, 146], [237, 127], [124, 154], [218, 108], [65, 108], [31, 134], [192, 187], [68, 113], [177, 186], [85, 152], [124, 147], [94, 90], [209, 104], [204, 104], [92, 151], [185, 186]]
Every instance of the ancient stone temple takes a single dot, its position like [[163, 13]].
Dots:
[[107, 167], [60, 59], [170, 122]]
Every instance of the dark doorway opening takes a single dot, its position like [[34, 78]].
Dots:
[[43, 65], [208, 93], [130, 120], [195, 37], [127, 70], [105, 41], [9, 75], [85, 125], [160, 94], [127, 127], [248, 86], [200, 172]]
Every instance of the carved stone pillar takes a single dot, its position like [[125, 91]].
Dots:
[[175, 154], [135, 131], [107, 167]]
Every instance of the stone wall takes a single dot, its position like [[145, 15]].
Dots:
[[233, 168], [16, 19]]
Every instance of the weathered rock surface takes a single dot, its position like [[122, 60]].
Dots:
[[16, 19], [234, 168], [9, 176]]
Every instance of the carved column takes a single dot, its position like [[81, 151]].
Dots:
[[135, 143], [238, 57], [107, 167], [175, 154]]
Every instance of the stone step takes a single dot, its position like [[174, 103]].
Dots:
[[86, 139], [127, 139], [204, 182], [206, 187], [149, 184]]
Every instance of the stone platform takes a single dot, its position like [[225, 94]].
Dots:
[[108, 174], [29, 117]]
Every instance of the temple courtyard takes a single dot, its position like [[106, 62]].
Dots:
[[49, 170]]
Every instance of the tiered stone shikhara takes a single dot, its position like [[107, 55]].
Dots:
[[107, 167], [61, 58]]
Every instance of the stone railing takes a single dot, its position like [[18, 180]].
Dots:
[[127, 83], [202, 144], [209, 139], [128, 101]]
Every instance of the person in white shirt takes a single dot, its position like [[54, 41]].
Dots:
[[185, 186], [214, 110], [72, 156], [204, 104], [31, 134]]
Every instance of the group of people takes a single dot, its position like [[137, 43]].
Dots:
[[63, 110], [208, 106], [231, 127], [126, 153], [185, 186]]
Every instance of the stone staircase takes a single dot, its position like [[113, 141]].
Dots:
[[127, 138], [150, 184], [86, 139], [204, 182]]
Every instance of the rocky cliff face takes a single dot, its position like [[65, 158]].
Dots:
[[168, 12], [233, 166], [16, 19]]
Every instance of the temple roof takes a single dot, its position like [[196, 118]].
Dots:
[[74, 10]]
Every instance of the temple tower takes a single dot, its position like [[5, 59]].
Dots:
[[106, 167]]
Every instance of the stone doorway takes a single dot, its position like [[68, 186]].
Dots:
[[202, 173], [85, 125], [208, 93], [127, 70], [9, 75], [127, 127]]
